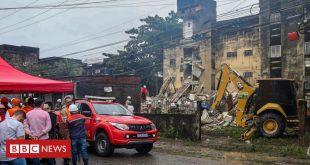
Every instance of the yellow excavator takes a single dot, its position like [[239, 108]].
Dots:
[[267, 109]]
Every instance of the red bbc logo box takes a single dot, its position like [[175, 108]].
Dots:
[[38, 148]]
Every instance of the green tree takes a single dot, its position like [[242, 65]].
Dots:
[[143, 54]]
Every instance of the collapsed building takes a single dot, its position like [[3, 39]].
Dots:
[[256, 46]]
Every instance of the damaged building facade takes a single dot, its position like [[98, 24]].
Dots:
[[256, 46], [189, 62]]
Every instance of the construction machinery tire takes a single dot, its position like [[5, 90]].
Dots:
[[271, 125]]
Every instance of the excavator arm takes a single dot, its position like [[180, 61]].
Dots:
[[245, 91]]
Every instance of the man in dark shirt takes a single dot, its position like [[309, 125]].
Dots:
[[77, 133], [52, 133]]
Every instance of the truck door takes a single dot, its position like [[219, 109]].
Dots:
[[86, 111]]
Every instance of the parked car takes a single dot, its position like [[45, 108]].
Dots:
[[110, 125]]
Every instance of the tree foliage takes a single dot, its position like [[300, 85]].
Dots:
[[143, 54]]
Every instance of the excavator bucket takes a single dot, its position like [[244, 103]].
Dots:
[[251, 131], [248, 134]]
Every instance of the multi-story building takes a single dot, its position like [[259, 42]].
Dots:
[[281, 57], [256, 46], [237, 44], [189, 61]]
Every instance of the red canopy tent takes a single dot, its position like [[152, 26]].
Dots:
[[15, 81]]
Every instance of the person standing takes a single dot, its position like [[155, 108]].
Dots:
[[58, 105], [37, 125], [29, 104], [15, 106], [48, 108], [128, 101], [144, 93], [63, 126], [77, 132], [12, 129], [52, 134]]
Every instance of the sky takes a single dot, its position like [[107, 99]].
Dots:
[[64, 31]]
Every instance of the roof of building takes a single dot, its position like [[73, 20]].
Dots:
[[240, 23], [27, 49], [51, 59]]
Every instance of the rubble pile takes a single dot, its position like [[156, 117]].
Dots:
[[169, 100], [223, 116]]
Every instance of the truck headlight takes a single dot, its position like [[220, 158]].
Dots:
[[123, 127], [153, 126]]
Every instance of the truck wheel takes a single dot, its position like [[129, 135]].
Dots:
[[271, 125], [144, 149], [103, 146]]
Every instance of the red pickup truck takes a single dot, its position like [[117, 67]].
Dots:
[[110, 125]]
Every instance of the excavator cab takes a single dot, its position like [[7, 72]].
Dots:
[[275, 106]]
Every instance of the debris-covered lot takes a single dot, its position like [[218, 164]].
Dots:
[[223, 145], [282, 150]]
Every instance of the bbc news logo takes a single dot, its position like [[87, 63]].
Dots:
[[38, 148]]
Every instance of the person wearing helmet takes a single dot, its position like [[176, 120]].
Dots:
[[77, 133], [128, 101], [58, 105], [15, 106]]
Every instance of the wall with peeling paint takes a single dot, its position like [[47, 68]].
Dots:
[[240, 49]]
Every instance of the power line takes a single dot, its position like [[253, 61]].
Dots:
[[228, 12], [88, 50], [238, 5], [17, 10], [74, 42], [94, 48], [74, 5], [29, 18], [110, 6], [89, 37], [38, 21], [250, 27]]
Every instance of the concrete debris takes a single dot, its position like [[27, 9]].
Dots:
[[165, 87], [197, 70], [205, 118], [180, 93], [216, 119]]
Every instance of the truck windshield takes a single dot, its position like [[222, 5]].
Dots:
[[111, 110]]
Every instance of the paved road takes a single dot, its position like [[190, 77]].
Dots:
[[130, 157]]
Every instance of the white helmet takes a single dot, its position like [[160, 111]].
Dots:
[[128, 97], [73, 108]]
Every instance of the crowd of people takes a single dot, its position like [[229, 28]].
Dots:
[[35, 119]]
